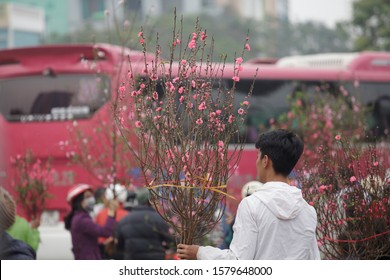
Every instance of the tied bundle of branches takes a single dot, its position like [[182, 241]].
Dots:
[[32, 178], [184, 119], [350, 189]]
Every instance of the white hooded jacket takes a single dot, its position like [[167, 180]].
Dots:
[[274, 223]]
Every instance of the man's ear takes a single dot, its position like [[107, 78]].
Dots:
[[266, 160]]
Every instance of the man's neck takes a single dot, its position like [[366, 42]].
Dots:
[[277, 178]]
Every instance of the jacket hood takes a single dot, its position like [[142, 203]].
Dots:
[[283, 200], [14, 249]]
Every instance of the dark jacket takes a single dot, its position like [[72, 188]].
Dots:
[[85, 235], [13, 249], [143, 235]]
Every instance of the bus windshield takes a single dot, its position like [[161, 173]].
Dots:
[[53, 97]]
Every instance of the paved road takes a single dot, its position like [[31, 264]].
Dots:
[[55, 243]]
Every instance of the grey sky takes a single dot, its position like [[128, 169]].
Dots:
[[325, 11]]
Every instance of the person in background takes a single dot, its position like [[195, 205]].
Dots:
[[131, 201], [26, 232], [275, 222], [84, 231], [11, 248], [101, 201], [119, 193], [143, 234]]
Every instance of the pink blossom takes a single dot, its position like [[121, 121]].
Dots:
[[218, 112], [231, 119], [322, 188], [122, 89], [181, 99], [199, 121], [142, 40], [158, 109], [311, 203], [247, 47], [337, 137], [352, 179], [181, 90], [239, 60], [178, 41], [138, 124], [142, 86], [203, 36], [202, 106], [175, 80], [246, 103], [240, 68], [170, 86], [140, 34], [236, 78], [192, 44], [375, 163], [130, 75], [155, 95], [193, 84], [220, 143], [240, 111], [183, 62]]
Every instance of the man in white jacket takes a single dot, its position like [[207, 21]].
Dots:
[[274, 223]]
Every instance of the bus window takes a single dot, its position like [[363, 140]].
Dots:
[[269, 100], [376, 97], [52, 98]]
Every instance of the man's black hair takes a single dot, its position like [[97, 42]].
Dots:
[[283, 147]]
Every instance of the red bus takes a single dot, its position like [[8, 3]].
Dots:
[[45, 91], [42, 93]]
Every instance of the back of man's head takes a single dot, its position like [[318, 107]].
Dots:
[[283, 147], [143, 196]]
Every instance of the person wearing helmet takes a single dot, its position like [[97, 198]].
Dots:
[[275, 222], [118, 192], [11, 248], [143, 234], [84, 231]]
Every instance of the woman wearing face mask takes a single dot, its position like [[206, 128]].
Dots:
[[83, 230]]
